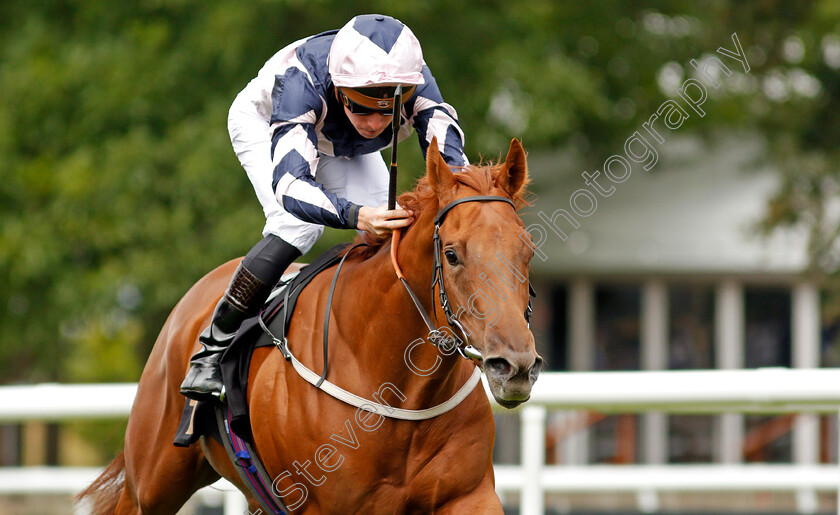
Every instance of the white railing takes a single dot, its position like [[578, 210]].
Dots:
[[768, 390], [719, 391]]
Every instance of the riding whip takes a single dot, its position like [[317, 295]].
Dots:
[[395, 129]]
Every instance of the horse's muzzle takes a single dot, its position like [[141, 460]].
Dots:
[[512, 377]]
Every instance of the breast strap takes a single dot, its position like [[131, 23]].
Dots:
[[383, 409]]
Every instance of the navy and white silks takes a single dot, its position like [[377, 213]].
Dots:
[[309, 166]]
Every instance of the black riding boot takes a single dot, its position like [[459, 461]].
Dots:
[[250, 286]]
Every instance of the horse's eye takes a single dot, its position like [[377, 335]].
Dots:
[[451, 257]]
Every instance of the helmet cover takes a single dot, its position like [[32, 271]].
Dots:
[[374, 49]]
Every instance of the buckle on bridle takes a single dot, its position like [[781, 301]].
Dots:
[[443, 341], [449, 343], [437, 337]]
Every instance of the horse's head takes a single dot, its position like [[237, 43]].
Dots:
[[485, 262]]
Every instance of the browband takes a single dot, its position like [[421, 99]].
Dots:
[[478, 198]]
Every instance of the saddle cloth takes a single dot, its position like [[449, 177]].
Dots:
[[197, 418]]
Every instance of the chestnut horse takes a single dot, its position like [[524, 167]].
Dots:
[[324, 456]]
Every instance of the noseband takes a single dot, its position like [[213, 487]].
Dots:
[[446, 342]]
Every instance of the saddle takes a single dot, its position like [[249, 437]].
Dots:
[[197, 418]]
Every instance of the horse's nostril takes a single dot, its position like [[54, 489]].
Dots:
[[498, 367], [536, 368]]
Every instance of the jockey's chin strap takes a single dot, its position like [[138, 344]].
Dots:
[[440, 337]]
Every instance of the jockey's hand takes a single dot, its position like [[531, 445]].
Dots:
[[380, 221]]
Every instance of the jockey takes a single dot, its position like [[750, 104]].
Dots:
[[308, 131]]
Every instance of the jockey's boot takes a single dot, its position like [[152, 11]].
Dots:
[[244, 297]]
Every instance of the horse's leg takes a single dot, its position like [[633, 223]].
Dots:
[[152, 476], [127, 505], [481, 500], [160, 477], [162, 487], [159, 499]]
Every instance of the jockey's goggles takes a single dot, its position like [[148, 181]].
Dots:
[[374, 99]]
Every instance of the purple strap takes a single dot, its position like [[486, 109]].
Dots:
[[257, 484]]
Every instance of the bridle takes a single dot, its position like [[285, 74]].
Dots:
[[442, 338], [448, 343]]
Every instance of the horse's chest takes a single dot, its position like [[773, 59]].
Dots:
[[346, 460], [369, 471]]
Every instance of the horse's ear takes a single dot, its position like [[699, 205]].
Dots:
[[440, 176], [514, 173]]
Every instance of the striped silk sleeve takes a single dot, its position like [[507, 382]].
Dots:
[[432, 117], [296, 107], [295, 158]]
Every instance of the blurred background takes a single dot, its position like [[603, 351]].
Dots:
[[119, 189]]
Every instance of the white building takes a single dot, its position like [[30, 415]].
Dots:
[[668, 271]]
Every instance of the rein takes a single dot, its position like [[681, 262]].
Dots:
[[437, 337]]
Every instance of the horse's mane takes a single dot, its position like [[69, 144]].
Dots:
[[476, 177]]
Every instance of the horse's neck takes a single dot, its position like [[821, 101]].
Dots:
[[402, 355]]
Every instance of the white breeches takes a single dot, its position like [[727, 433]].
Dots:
[[362, 180]]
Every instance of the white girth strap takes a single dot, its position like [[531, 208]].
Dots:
[[381, 409]]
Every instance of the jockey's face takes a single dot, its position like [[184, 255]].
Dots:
[[369, 125]]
